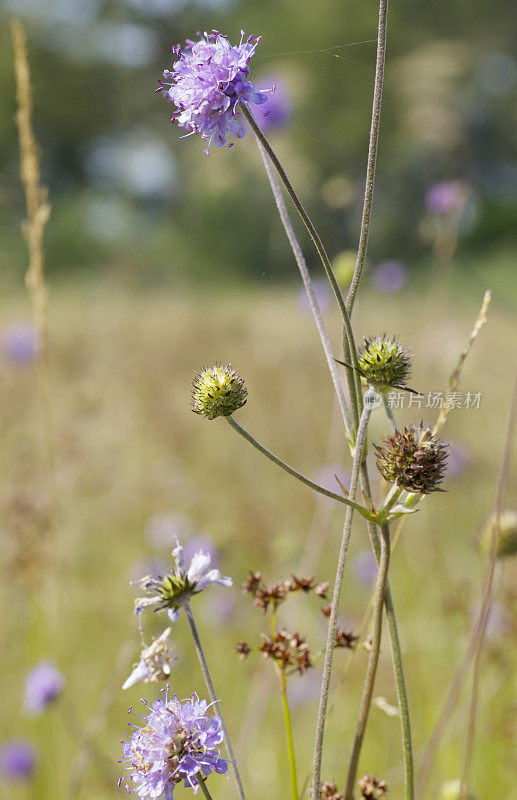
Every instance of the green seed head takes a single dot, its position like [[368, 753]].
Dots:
[[413, 458], [505, 531], [384, 362], [451, 791], [217, 391]]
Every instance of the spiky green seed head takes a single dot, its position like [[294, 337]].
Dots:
[[217, 391], [505, 531], [450, 790], [413, 458], [384, 361]]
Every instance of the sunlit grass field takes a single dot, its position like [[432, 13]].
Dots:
[[127, 448]]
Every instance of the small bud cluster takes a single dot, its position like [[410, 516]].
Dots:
[[413, 458], [287, 650], [384, 362], [344, 638], [372, 787], [217, 391], [274, 595], [329, 791]]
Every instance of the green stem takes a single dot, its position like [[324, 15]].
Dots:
[[373, 661], [214, 698], [308, 224], [331, 635], [372, 154], [389, 412], [288, 733], [203, 785], [317, 488]]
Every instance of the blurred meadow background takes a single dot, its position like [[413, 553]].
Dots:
[[158, 260]]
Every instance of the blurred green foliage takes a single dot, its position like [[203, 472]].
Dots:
[[128, 195]]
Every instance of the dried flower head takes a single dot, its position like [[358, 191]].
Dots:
[[413, 458], [279, 591], [329, 791], [287, 650], [346, 639], [384, 362], [155, 662], [505, 531], [181, 584], [207, 83], [372, 787], [217, 391], [242, 649], [177, 741], [43, 686]]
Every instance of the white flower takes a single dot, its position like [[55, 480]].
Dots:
[[154, 664]]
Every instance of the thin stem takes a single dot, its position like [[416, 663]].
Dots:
[[203, 785], [373, 661], [308, 224], [372, 155], [214, 698], [288, 733], [389, 412], [317, 488], [311, 295], [331, 635], [396, 652]]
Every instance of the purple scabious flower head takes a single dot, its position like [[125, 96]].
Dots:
[[43, 685], [177, 741], [21, 343], [445, 198], [276, 112], [390, 276], [184, 581], [17, 759], [207, 83]]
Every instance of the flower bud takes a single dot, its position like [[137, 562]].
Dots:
[[451, 791], [505, 531], [413, 459], [217, 391], [384, 362]]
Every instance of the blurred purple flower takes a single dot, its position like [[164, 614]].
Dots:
[[207, 83], [21, 343], [277, 110], [390, 276], [458, 460], [43, 685], [305, 690], [325, 477], [200, 542], [17, 759], [178, 741], [154, 566], [219, 608], [162, 530], [446, 197], [322, 292], [364, 566]]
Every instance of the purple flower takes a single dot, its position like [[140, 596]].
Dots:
[[458, 460], [364, 566], [207, 83], [390, 276], [17, 759], [446, 197], [323, 296], [177, 741], [21, 343], [43, 685], [276, 111]]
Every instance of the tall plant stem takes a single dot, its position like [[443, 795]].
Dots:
[[288, 733], [373, 661], [372, 155], [396, 653], [204, 787], [310, 227], [331, 636], [213, 697], [317, 488], [311, 295]]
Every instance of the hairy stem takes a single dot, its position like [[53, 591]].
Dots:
[[317, 488], [304, 272], [373, 661], [288, 733], [309, 225], [372, 155], [331, 635], [214, 698], [389, 412]]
